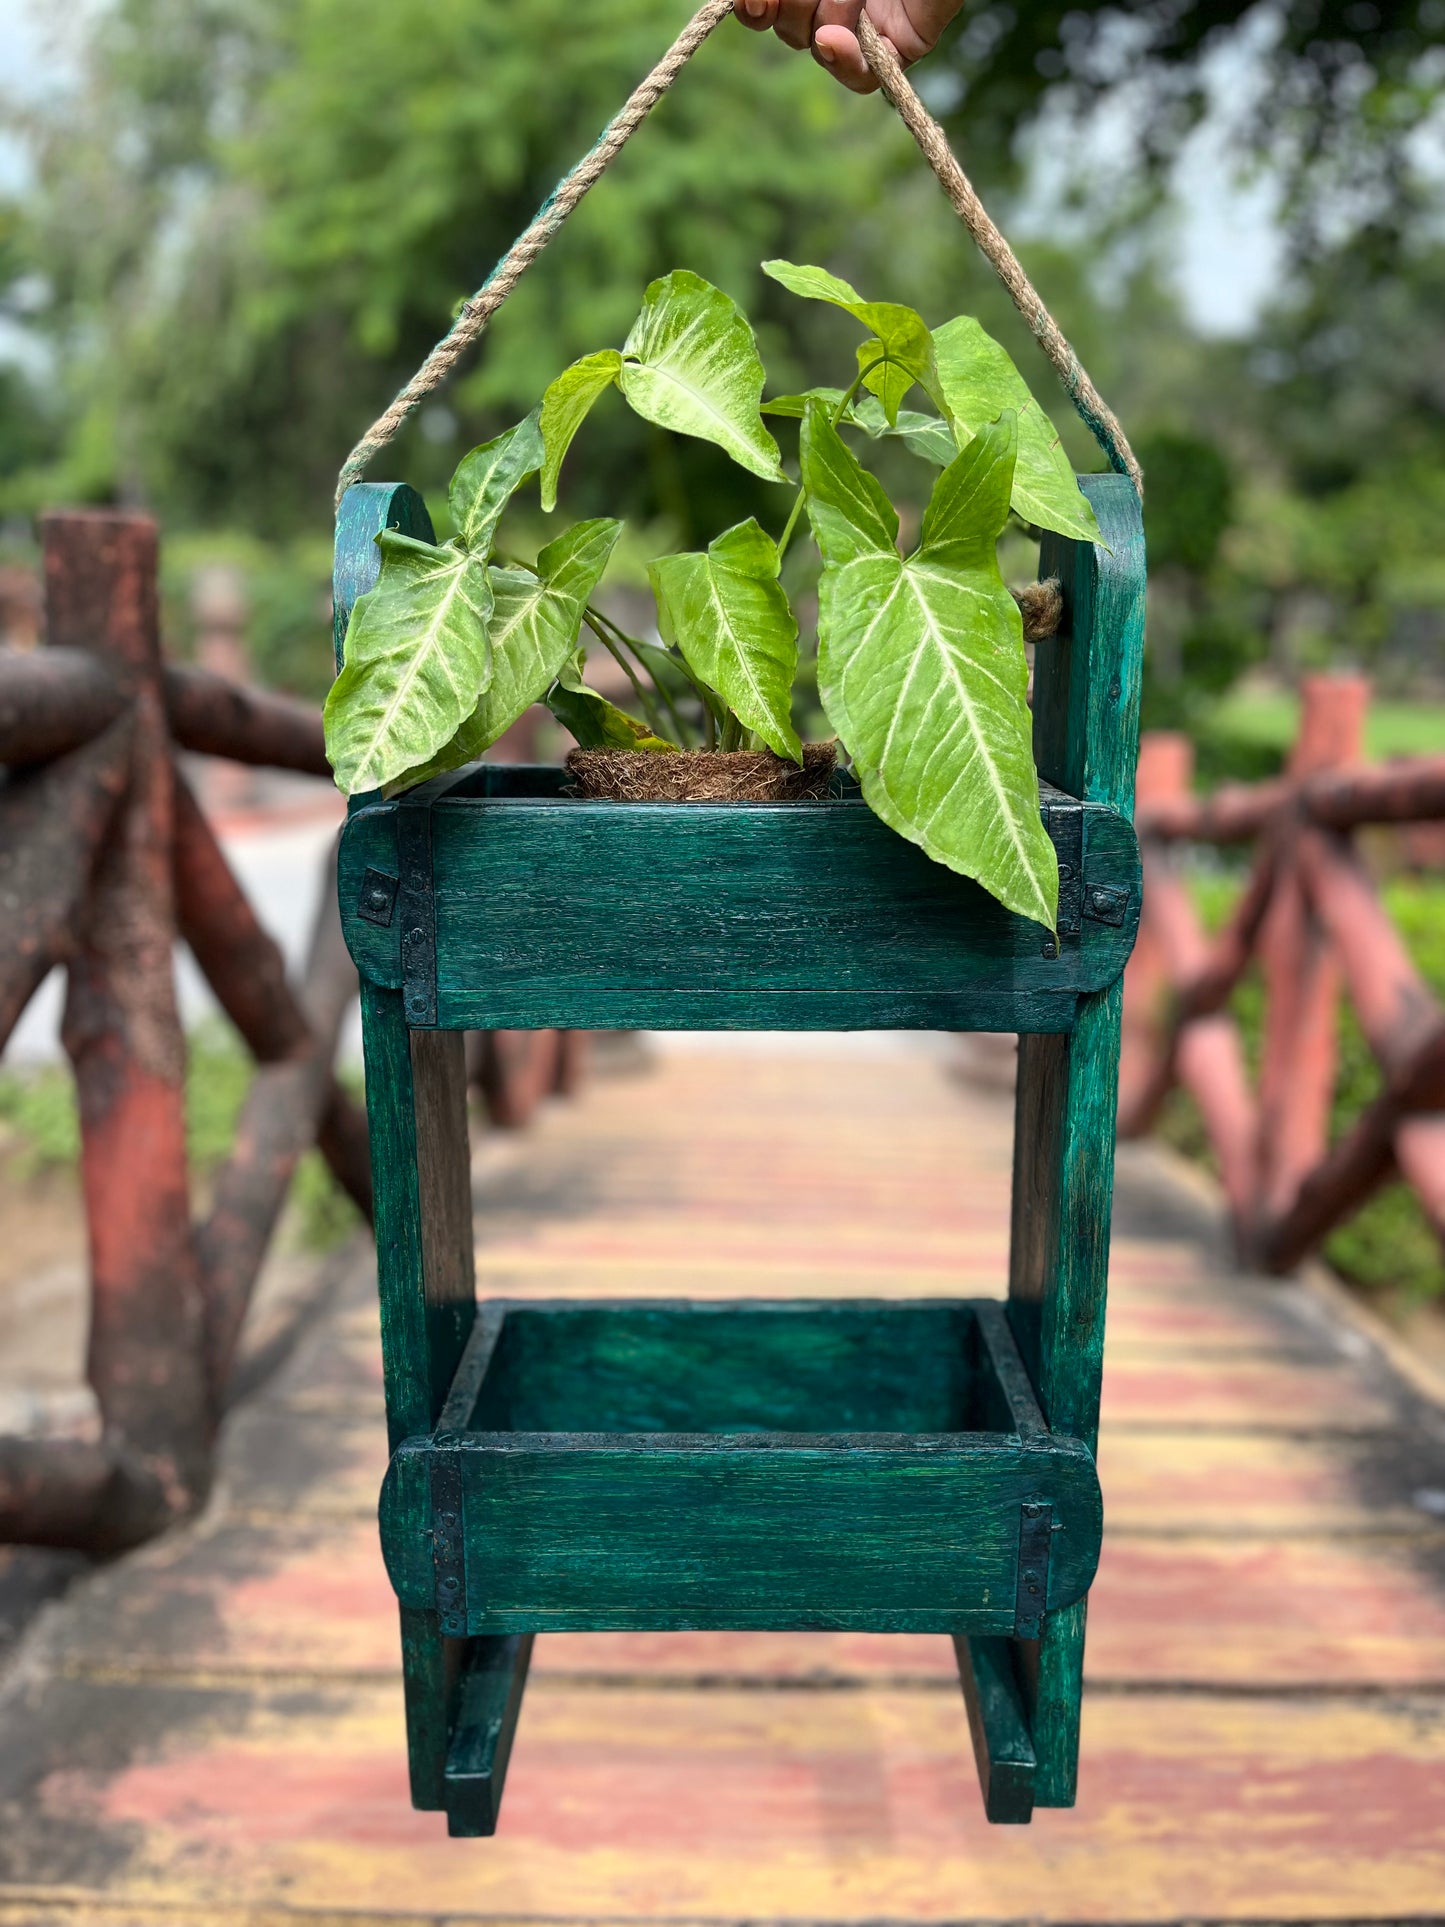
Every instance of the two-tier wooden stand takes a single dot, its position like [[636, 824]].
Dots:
[[882, 1466]]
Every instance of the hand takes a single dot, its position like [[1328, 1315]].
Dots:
[[828, 28]]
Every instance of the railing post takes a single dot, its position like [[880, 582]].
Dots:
[[123, 1033], [1301, 972]]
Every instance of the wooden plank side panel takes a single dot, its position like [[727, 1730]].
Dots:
[[784, 1532], [803, 916]]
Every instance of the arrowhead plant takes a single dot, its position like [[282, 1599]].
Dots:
[[920, 658]]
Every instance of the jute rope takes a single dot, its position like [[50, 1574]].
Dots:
[[570, 191], [1101, 420]]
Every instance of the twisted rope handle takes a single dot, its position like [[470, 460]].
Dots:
[[1100, 419], [570, 191]]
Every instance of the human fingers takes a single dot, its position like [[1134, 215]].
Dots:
[[794, 22], [757, 14], [835, 44]]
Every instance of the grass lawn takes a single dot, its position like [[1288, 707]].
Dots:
[[1269, 720]]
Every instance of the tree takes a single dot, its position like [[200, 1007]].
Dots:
[[261, 213], [1345, 88]]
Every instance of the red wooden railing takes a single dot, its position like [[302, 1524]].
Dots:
[[105, 859], [1309, 916]]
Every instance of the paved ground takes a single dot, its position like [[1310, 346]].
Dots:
[[212, 1731]]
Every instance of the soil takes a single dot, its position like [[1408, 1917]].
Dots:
[[702, 775]]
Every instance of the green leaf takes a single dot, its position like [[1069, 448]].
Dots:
[[418, 651], [901, 335], [980, 381], [565, 407], [691, 363], [921, 664], [595, 722], [926, 435], [728, 615], [535, 621], [486, 480], [794, 407]]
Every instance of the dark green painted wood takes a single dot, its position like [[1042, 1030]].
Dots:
[[426, 1307], [999, 1724], [1054, 1688], [752, 1366], [430, 1666], [415, 1093], [489, 1700], [1086, 728], [800, 916], [1088, 677], [366, 509], [881, 1532]]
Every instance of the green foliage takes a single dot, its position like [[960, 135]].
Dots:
[[726, 613], [691, 363], [921, 663], [253, 220], [536, 616], [1190, 502], [565, 407], [979, 381], [900, 349], [38, 1106], [418, 655], [1339, 94], [595, 722]]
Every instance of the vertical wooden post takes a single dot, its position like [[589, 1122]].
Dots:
[[123, 1034], [421, 1174], [1086, 733], [416, 1101], [1301, 972]]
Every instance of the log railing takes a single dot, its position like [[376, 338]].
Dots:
[[1309, 916], [105, 859]]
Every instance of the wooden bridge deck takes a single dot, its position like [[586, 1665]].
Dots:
[[211, 1730]]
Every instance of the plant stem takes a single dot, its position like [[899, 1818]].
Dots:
[[621, 636], [649, 709], [838, 413]]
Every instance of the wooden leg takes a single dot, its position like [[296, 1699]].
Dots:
[[489, 1699], [416, 1103], [998, 1719], [1063, 1191]]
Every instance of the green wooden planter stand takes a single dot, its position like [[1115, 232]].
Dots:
[[881, 1466]]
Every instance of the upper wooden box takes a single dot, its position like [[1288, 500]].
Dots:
[[496, 901]]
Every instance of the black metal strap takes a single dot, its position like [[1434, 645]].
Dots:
[[416, 901]]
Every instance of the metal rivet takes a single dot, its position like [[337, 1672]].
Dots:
[[1066, 872], [1050, 948]]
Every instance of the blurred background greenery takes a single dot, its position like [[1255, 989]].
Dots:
[[233, 227], [238, 224]]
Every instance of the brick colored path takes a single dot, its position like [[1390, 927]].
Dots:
[[211, 1731]]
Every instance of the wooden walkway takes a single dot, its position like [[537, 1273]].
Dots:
[[211, 1731]]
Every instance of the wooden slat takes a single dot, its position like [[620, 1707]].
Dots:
[[799, 916], [748, 1806]]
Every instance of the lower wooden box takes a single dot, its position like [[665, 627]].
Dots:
[[877, 1466]]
